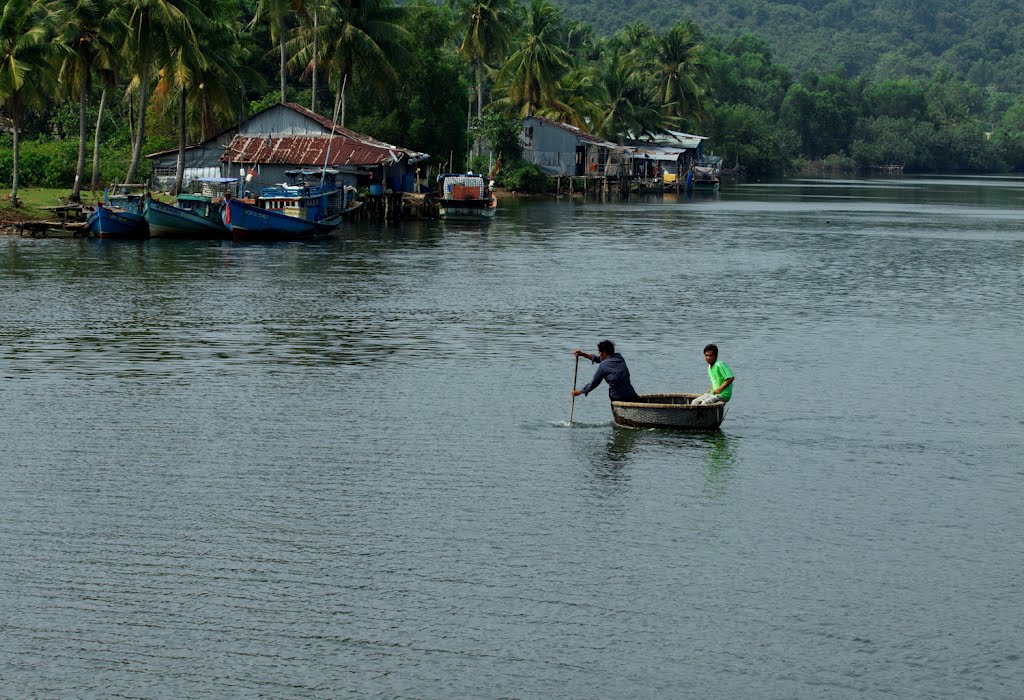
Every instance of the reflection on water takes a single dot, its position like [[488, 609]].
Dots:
[[621, 442], [719, 457]]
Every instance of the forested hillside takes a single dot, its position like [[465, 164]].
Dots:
[[981, 40]]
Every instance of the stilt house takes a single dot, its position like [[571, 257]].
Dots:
[[561, 149]]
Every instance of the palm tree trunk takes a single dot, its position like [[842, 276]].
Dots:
[[344, 86], [312, 107], [96, 144], [469, 130], [280, 33], [179, 173], [83, 99], [477, 145], [140, 133], [15, 153]]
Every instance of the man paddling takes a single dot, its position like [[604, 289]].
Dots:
[[612, 369]]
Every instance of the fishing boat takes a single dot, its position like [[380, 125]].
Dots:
[[120, 214], [466, 197], [310, 205], [706, 175], [671, 411], [195, 215]]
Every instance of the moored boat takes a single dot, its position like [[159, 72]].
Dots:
[[466, 197], [671, 411], [195, 216], [288, 212], [120, 214], [706, 175]]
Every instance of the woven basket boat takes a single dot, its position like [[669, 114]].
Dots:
[[672, 411]]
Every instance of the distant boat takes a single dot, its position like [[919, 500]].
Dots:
[[466, 197], [194, 216], [706, 175], [120, 214], [288, 212], [671, 411]]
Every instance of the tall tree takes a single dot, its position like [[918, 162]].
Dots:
[[682, 79], [533, 71], [179, 62], [277, 13], [631, 109], [25, 68], [361, 40], [86, 38], [487, 27], [151, 24], [204, 76]]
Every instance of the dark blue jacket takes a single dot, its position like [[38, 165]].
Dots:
[[614, 371]]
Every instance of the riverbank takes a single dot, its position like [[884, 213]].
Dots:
[[39, 205]]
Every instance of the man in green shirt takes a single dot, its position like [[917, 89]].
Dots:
[[721, 378]]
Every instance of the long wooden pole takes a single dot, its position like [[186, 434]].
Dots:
[[572, 404]]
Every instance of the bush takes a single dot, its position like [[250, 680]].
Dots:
[[45, 163], [522, 176], [42, 164]]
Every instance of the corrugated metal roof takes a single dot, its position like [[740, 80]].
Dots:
[[661, 153], [312, 150]]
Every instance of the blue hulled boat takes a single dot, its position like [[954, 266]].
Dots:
[[120, 214], [288, 212]]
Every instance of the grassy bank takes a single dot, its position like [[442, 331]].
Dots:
[[35, 198]]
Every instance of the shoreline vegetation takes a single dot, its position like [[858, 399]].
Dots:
[[100, 83]]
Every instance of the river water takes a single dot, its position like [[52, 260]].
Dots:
[[346, 469]]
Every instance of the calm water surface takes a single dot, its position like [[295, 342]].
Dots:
[[345, 469]]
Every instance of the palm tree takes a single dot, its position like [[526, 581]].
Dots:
[[277, 13], [179, 63], [532, 72], [361, 39], [682, 79], [203, 75], [311, 13], [582, 94], [86, 30], [152, 24], [25, 52], [631, 108], [487, 29]]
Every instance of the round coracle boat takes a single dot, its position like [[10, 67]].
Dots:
[[672, 411]]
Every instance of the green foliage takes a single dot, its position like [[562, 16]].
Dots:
[[48, 163], [521, 176], [885, 140], [743, 71], [427, 112], [1009, 136], [43, 163], [752, 137], [500, 135]]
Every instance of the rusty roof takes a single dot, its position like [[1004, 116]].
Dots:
[[313, 150]]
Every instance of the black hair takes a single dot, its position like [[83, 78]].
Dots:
[[712, 347], [607, 347]]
